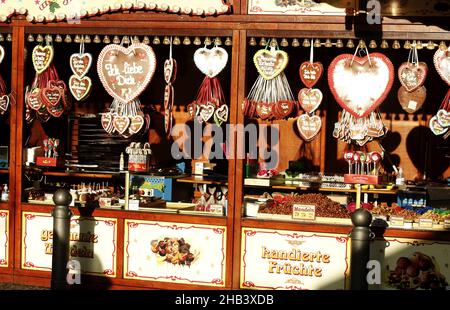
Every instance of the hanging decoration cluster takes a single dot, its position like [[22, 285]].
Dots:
[[440, 123], [271, 96], [80, 85], [210, 102], [412, 75], [170, 74], [48, 94], [360, 85], [125, 73], [310, 98]]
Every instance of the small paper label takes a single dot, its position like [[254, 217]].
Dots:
[[426, 223], [412, 105], [198, 168], [304, 212], [133, 205], [397, 221], [216, 209], [447, 224]]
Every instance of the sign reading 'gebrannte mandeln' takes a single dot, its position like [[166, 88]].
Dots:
[[4, 229], [293, 260], [56, 10]]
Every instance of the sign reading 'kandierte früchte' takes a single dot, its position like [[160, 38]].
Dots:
[[56, 10]]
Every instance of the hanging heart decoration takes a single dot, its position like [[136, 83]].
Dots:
[[2, 54], [441, 61], [80, 64], [270, 63], [126, 72], [121, 123], [310, 99], [42, 57], [221, 115], [264, 110], [411, 102], [136, 124], [443, 118], [360, 85], [207, 111], [412, 76], [4, 104], [107, 122], [80, 88], [436, 127], [34, 100], [309, 126], [57, 110], [211, 61], [170, 70], [283, 109], [51, 96], [193, 110], [170, 74], [310, 73]]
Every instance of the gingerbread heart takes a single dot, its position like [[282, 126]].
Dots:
[[51, 97], [80, 87], [193, 110], [284, 108], [264, 110], [360, 85], [34, 99], [221, 114], [310, 73], [436, 128], [443, 118], [121, 123], [137, 122], [441, 61], [167, 120], [211, 61], [126, 72], [4, 103], [57, 83], [309, 126], [57, 110], [207, 111], [271, 63], [42, 57], [80, 64], [412, 76], [310, 99], [411, 102], [106, 121], [170, 70]]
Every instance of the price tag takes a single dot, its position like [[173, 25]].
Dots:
[[397, 221], [198, 168], [216, 209], [380, 217], [447, 224], [304, 212], [133, 204], [426, 223]]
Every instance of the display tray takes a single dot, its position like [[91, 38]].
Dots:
[[318, 220]]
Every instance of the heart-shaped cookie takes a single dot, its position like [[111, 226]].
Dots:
[[207, 111], [80, 87], [360, 85], [57, 83], [211, 61], [193, 109], [221, 114], [309, 126], [51, 97], [412, 76], [106, 121], [34, 99], [441, 61], [57, 110], [310, 99], [170, 70], [80, 64], [4, 103], [264, 110], [137, 122], [284, 108], [310, 73], [42, 57], [121, 123], [167, 121], [443, 118], [411, 102], [126, 72], [436, 128], [270, 63]]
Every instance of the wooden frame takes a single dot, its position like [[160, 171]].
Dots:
[[240, 27]]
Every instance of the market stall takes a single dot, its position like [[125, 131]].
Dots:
[[227, 151]]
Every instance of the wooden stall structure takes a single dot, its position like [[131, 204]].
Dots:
[[232, 250]]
